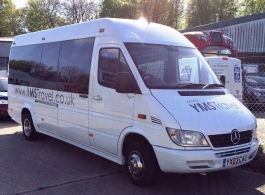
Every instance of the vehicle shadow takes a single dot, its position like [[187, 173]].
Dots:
[[7, 122], [60, 168]]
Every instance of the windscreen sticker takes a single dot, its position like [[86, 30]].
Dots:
[[237, 73], [186, 73], [50, 96]]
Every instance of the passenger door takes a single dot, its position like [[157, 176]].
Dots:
[[73, 87], [111, 112]]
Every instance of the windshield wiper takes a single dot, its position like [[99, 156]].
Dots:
[[188, 85], [3, 90], [211, 86]]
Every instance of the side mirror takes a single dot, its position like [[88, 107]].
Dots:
[[123, 82], [222, 78]]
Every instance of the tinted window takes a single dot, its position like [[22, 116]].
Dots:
[[74, 65], [217, 37], [23, 61], [45, 73], [111, 61]]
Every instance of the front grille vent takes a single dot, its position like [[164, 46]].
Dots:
[[155, 120], [224, 140], [232, 152], [200, 93]]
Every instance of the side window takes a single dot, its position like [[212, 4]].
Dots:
[[74, 65], [111, 61], [23, 62], [46, 71]]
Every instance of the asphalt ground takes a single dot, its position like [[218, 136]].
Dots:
[[50, 166]]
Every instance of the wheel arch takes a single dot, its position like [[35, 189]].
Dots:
[[24, 111], [131, 138], [27, 108]]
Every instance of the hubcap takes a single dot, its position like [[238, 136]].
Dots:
[[27, 127], [135, 165]]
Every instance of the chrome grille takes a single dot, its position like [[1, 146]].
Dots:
[[232, 152]]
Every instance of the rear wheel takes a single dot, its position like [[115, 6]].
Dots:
[[141, 164], [28, 128]]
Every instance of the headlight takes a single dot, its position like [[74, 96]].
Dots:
[[187, 138], [256, 93], [3, 102]]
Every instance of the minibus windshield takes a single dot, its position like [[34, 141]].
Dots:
[[172, 67]]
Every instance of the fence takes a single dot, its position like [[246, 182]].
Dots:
[[253, 84]]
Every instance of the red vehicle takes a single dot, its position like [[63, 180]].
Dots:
[[212, 43]]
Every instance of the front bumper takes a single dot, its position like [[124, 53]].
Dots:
[[184, 161]]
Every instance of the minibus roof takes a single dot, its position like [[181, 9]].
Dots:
[[136, 31]]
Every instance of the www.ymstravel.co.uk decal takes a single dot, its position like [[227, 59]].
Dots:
[[50, 96]]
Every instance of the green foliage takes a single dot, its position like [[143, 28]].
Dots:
[[200, 12], [10, 19], [167, 12], [42, 14], [119, 9], [76, 11], [252, 7]]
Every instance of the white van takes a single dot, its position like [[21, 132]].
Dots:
[[125, 90], [231, 69]]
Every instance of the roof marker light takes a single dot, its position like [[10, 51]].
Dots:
[[101, 30], [43, 38], [225, 58]]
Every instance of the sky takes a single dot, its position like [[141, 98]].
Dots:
[[19, 3]]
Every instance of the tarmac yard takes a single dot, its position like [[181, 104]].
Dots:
[[50, 166]]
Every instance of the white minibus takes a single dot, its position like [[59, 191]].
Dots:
[[134, 92]]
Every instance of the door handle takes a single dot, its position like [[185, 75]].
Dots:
[[97, 97], [83, 96]]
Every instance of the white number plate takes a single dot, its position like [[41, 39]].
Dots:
[[234, 161], [3, 102]]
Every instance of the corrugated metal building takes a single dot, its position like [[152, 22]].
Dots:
[[248, 34], [5, 44]]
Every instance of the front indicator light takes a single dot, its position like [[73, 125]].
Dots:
[[255, 133], [187, 138]]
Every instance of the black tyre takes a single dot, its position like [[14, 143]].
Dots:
[[141, 164], [28, 128]]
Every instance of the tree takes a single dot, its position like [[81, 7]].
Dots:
[[119, 9], [167, 12], [76, 11], [10, 19], [252, 7], [42, 14], [200, 12]]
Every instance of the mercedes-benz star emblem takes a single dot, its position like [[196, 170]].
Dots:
[[235, 136]]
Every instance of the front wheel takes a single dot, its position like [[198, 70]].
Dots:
[[141, 164], [28, 128]]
